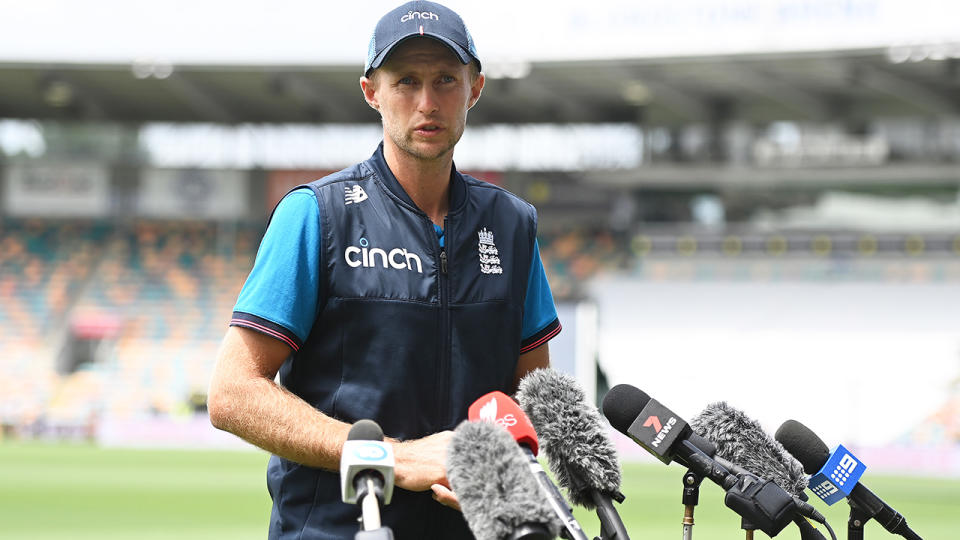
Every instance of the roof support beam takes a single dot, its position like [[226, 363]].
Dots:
[[198, 99], [922, 97], [775, 89]]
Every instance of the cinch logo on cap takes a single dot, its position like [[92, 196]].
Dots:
[[411, 15]]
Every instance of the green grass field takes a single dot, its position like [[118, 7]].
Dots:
[[80, 492]]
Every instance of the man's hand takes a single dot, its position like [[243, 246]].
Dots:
[[445, 496], [422, 463]]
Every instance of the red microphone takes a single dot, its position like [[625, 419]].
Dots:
[[501, 409]]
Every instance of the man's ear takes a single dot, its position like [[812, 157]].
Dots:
[[476, 89], [369, 88]]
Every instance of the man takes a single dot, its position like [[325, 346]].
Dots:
[[397, 290]]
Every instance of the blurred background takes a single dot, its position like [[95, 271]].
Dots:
[[755, 201]]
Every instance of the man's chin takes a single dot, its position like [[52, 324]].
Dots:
[[429, 152]]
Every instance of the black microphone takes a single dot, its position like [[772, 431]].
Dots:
[[742, 442], [366, 476], [654, 427], [813, 453], [668, 437], [581, 454], [499, 498]]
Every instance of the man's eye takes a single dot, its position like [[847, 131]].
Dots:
[[447, 78], [405, 80]]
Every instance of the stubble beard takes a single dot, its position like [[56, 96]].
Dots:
[[404, 141]]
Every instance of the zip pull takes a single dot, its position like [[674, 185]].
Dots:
[[443, 260]]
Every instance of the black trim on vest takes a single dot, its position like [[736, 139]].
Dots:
[[272, 329], [541, 337]]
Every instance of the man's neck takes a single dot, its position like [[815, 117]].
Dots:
[[427, 182]]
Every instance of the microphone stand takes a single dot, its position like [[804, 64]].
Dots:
[[371, 528], [690, 499], [530, 531], [747, 527], [855, 524], [611, 526], [871, 507]]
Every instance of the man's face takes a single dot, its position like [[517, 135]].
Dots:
[[423, 94]]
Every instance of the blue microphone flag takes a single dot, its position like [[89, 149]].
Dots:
[[838, 476]]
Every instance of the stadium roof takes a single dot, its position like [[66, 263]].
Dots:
[[820, 86], [546, 61]]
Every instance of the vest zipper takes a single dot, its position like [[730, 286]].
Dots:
[[443, 375]]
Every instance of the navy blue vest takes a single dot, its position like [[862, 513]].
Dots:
[[409, 333]]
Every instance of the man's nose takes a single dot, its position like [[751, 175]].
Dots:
[[427, 102]]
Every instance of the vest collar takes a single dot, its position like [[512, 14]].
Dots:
[[458, 187]]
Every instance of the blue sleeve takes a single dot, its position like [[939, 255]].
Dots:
[[280, 296], [540, 322]]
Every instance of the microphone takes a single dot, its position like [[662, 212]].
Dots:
[[366, 475], [500, 409], [836, 474], [581, 455], [668, 437], [654, 427], [498, 498], [743, 442]]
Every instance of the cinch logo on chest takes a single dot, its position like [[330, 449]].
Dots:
[[368, 257]]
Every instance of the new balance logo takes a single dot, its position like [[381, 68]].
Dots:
[[354, 194]]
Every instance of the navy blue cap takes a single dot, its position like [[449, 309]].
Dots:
[[415, 19]]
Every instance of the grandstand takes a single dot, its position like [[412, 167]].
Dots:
[[763, 145]]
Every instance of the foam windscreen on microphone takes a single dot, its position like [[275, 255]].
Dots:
[[365, 430], [490, 477], [742, 441], [804, 445], [573, 435]]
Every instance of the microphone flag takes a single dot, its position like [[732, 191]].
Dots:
[[836, 479], [657, 429]]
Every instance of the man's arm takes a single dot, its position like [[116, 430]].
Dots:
[[529, 361], [244, 400]]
